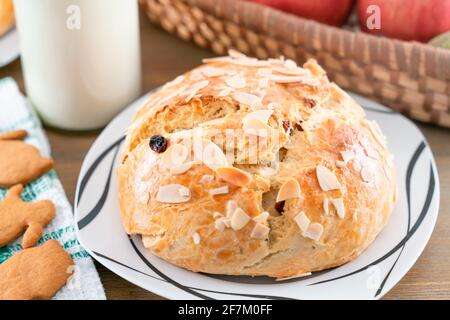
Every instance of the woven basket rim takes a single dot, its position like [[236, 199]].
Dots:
[[237, 11]]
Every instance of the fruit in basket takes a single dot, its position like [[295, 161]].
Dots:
[[418, 20], [441, 41], [331, 12]]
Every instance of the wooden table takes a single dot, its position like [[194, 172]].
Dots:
[[163, 58]]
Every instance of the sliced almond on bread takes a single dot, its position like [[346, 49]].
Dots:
[[234, 176], [260, 231], [173, 193], [289, 190], [327, 179], [338, 204], [302, 221], [314, 231], [174, 156], [239, 219]]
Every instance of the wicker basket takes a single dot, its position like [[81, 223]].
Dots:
[[410, 77]]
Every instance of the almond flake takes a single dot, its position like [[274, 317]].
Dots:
[[231, 206], [262, 115], [173, 193], [217, 215], [212, 72], [314, 231], [219, 190], [255, 122], [302, 221], [225, 92], [260, 93], [290, 64], [326, 204], [196, 76], [210, 154], [262, 217], [347, 155], [227, 222], [195, 88], [196, 238], [182, 168], [278, 62], [286, 79], [219, 224], [236, 54], [340, 164], [293, 79], [234, 175], [184, 192], [175, 81], [260, 231], [174, 156], [338, 204], [289, 190], [171, 95], [247, 99], [236, 82], [256, 127], [250, 62], [366, 174], [327, 179], [207, 178], [239, 219], [291, 71], [376, 131]]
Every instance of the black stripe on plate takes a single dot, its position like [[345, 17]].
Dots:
[[423, 213], [93, 167], [409, 172], [101, 202], [389, 111], [194, 288], [162, 275]]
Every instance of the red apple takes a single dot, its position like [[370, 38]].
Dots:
[[418, 20], [332, 12]]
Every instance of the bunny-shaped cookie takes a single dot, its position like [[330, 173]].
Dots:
[[17, 217], [20, 162]]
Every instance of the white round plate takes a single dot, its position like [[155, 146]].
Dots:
[[369, 276], [9, 47]]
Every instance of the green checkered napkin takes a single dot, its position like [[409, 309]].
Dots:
[[16, 113]]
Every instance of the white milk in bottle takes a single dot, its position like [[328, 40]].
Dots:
[[80, 58]]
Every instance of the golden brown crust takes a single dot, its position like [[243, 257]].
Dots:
[[323, 141]]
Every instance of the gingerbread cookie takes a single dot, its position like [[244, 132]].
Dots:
[[36, 273], [17, 216], [20, 162]]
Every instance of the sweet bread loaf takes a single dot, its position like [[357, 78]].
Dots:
[[255, 167]]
